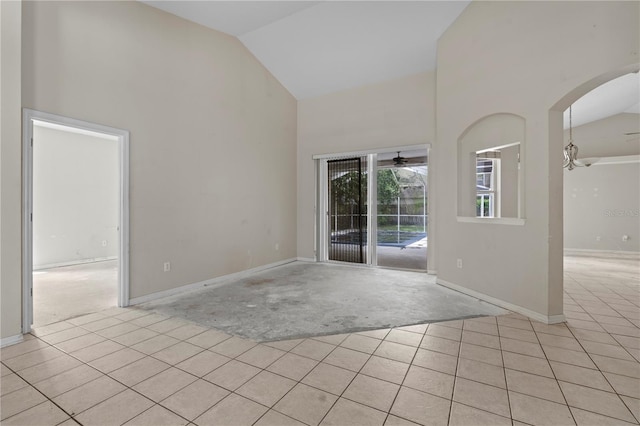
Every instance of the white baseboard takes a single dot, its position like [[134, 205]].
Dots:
[[432, 272], [206, 283], [546, 319], [73, 262], [305, 259], [12, 340], [600, 253]]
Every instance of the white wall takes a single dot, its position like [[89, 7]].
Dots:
[[601, 204], [393, 113], [212, 133], [531, 59], [10, 169], [76, 197]]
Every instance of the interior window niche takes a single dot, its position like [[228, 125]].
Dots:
[[491, 170]]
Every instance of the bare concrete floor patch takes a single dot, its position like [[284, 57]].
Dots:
[[310, 299]]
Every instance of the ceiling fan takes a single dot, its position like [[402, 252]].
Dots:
[[399, 161]]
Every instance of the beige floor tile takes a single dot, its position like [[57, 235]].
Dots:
[[86, 396], [21, 348], [376, 334], [594, 336], [232, 375], [194, 399], [177, 353], [284, 345], [261, 356], [536, 411], [203, 363], [451, 324], [347, 358], [329, 378], [617, 366], [117, 330], [397, 421], [538, 386], [167, 325], [45, 414], [233, 347], [273, 418], [4, 370], [626, 341], [587, 418], [101, 324], [233, 410], [420, 407], [463, 415], [480, 339], [85, 319], [480, 353], [138, 371], [333, 339], [96, 351], [396, 351], [11, 382], [446, 332], [346, 412], [306, 404], [417, 328], [371, 392], [624, 385], [521, 323], [559, 341], [521, 347], [430, 381], [116, 360], [51, 328], [595, 400], [580, 376], [116, 410], [67, 380], [135, 337], [208, 339], [580, 359], [293, 366], [32, 358], [604, 349], [404, 337], [361, 343], [164, 384], [147, 320], [436, 361], [439, 344], [78, 343], [555, 329], [131, 314], [155, 344], [633, 405], [313, 349], [518, 334], [186, 331], [385, 369], [266, 388], [480, 327], [157, 416], [484, 397], [17, 402], [481, 372]]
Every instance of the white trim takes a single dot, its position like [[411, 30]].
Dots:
[[305, 259], [365, 152], [546, 319], [492, 220], [122, 138], [599, 253], [56, 126], [73, 262], [212, 282], [608, 161], [431, 271], [12, 340]]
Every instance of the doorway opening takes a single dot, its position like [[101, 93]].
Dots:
[[374, 208], [76, 218]]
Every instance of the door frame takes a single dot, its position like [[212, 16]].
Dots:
[[122, 138], [321, 207]]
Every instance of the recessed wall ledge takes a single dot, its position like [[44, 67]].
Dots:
[[492, 220]]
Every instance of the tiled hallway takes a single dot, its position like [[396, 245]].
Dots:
[[126, 366]]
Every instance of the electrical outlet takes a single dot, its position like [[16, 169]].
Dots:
[[167, 266], [598, 238], [625, 238], [104, 243], [459, 263]]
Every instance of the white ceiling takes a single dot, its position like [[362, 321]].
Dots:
[[319, 47]]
